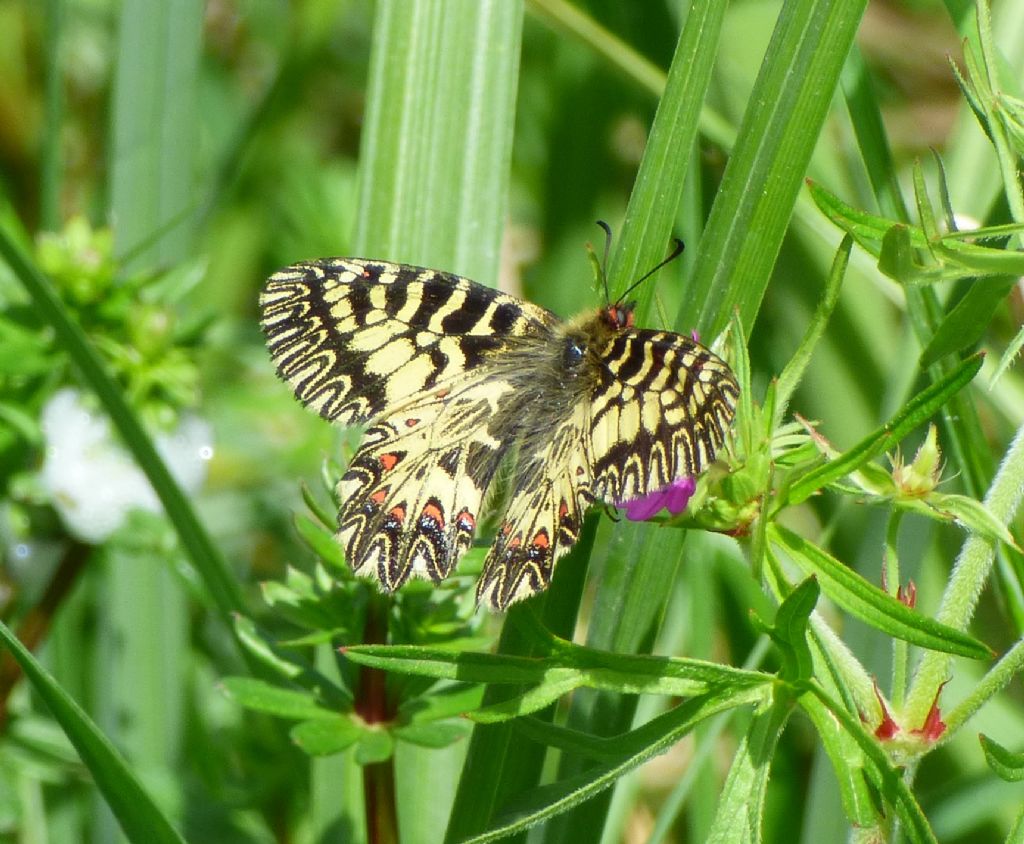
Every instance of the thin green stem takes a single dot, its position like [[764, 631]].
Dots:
[[892, 585], [970, 573]]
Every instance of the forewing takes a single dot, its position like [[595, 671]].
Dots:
[[550, 493], [355, 338], [660, 411]]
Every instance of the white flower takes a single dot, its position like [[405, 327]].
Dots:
[[92, 480]]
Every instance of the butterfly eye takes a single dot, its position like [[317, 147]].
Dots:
[[572, 355]]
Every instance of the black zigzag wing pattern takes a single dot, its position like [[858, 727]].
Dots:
[[355, 337]]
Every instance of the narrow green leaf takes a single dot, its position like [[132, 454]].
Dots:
[[624, 673], [794, 370], [914, 413], [739, 815], [887, 778], [872, 605], [1006, 764], [322, 542], [655, 737], [790, 630], [1012, 350], [965, 325], [138, 815], [654, 201], [267, 653], [769, 161], [284, 703]]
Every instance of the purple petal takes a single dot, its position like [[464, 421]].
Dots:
[[674, 497]]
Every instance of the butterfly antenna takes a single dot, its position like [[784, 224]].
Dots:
[[676, 252], [604, 263]]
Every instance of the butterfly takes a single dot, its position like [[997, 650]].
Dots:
[[453, 380]]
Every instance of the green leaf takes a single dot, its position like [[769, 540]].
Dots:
[[969, 512], [572, 666], [888, 779], [766, 169], [793, 372], [288, 665], [740, 810], [375, 745], [434, 733], [323, 544], [284, 703], [139, 817], [917, 411], [326, 736], [869, 603], [790, 630], [1007, 765], [639, 745], [965, 325]]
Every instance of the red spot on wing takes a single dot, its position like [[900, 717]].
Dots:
[[388, 461], [432, 511], [540, 540], [411, 423], [466, 520], [398, 513], [379, 496], [563, 510]]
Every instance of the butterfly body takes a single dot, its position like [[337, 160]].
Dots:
[[453, 379]]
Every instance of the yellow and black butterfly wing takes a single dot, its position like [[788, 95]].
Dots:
[[355, 337], [650, 407], [551, 491], [661, 407], [420, 355], [412, 494]]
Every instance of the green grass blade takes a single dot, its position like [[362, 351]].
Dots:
[[654, 202], [641, 744], [434, 169], [134, 809], [759, 188]]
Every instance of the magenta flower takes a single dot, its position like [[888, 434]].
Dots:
[[673, 498]]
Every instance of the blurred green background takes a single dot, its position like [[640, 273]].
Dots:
[[241, 157]]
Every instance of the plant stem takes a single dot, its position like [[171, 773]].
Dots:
[[37, 621], [373, 707]]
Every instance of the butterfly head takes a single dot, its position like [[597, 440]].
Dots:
[[618, 315]]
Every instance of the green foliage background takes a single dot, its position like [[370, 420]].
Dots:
[[219, 142]]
